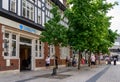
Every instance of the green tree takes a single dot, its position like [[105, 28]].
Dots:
[[88, 23], [54, 33]]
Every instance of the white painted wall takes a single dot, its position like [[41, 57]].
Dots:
[[35, 15], [43, 18], [19, 7], [13, 24]]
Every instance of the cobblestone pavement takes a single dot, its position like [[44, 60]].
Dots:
[[101, 73]]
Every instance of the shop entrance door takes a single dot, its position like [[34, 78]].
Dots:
[[25, 57]]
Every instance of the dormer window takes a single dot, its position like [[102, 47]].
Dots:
[[13, 6]]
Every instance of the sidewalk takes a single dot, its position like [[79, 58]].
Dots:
[[64, 74]]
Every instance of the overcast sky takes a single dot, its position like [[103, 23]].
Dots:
[[115, 12]]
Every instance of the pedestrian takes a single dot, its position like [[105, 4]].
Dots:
[[70, 61], [92, 61], [67, 61], [82, 61], [47, 61], [74, 62], [114, 59]]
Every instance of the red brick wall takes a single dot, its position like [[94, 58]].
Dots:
[[41, 62], [45, 50], [14, 63], [71, 52], [1, 40]]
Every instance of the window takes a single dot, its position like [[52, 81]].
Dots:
[[10, 44], [13, 6], [13, 45], [25, 40], [39, 4], [36, 48], [51, 50], [65, 51], [6, 44], [27, 10], [39, 49], [39, 16]]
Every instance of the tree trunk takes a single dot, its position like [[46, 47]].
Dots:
[[79, 58], [89, 59], [99, 58]]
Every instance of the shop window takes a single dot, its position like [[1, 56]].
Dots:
[[36, 48], [13, 45], [9, 44], [25, 40], [39, 50], [6, 44], [27, 10], [6, 47], [13, 6]]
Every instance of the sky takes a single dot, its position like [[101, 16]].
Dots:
[[115, 12]]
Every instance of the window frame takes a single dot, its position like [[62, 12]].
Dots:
[[28, 10], [38, 51], [11, 5], [9, 56]]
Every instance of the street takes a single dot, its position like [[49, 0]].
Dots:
[[101, 73]]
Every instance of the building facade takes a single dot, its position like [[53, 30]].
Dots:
[[21, 23]]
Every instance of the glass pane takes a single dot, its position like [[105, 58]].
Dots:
[[24, 4], [39, 16], [5, 53], [36, 54], [40, 48], [24, 12], [14, 37], [6, 47], [13, 5], [6, 43], [25, 40], [13, 48], [36, 41], [28, 12], [6, 35], [36, 48], [32, 15], [39, 54]]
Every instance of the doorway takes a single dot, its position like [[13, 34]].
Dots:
[[25, 57]]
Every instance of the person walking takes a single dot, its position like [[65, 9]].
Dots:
[[47, 61], [67, 61], [92, 61], [114, 59]]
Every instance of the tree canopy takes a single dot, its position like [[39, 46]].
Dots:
[[55, 33]]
